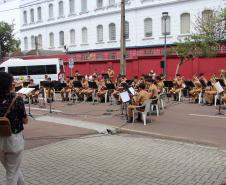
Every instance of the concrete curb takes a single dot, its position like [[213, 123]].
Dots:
[[161, 136]]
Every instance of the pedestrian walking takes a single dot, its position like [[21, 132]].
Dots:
[[12, 147]]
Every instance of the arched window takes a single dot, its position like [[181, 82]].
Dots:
[[32, 42], [111, 2], [25, 43], [126, 30], [51, 10], [61, 9], [207, 14], [32, 16], [83, 6], [100, 33], [61, 38], [72, 6], [51, 40], [147, 27], [185, 23], [112, 32], [84, 35], [72, 37], [39, 12], [166, 25], [25, 17], [99, 3], [39, 41]]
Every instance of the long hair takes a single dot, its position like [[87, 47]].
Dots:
[[6, 81]]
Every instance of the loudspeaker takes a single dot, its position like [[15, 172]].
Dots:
[[162, 63]]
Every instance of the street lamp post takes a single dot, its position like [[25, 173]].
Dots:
[[165, 16]]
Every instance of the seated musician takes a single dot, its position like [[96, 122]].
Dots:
[[153, 90], [135, 82], [110, 73], [160, 84], [102, 89], [66, 90], [49, 91], [196, 90], [138, 100], [210, 92], [86, 91], [34, 94], [119, 87], [178, 83]]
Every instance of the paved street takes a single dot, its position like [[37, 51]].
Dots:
[[123, 159]]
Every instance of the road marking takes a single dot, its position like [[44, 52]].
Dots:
[[209, 116], [100, 128], [47, 110]]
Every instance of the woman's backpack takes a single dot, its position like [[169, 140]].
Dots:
[[5, 125]]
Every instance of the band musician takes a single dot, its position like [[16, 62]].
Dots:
[[178, 83], [111, 73], [34, 94], [66, 90], [49, 90], [138, 100], [196, 90]]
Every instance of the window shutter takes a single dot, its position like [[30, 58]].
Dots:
[[100, 33], [148, 27], [112, 32], [185, 23]]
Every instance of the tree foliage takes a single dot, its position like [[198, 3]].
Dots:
[[209, 33], [8, 42]]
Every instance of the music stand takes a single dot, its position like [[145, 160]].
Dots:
[[80, 77], [77, 84], [25, 84], [25, 91], [93, 85], [129, 82], [105, 75], [125, 99], [110, 87], [18, 88]]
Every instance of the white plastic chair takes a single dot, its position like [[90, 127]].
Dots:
[[144, 113], [155, 104], [216, 97]]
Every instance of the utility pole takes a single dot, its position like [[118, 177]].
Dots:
[[123, 40], [36, 45]]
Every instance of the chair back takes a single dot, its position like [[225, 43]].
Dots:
[[147, 105]]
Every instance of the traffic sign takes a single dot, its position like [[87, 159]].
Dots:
[[71, 63]]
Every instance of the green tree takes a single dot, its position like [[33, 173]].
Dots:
[[210, 32], [8, 42]]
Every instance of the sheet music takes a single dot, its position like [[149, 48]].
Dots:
[[218, 87], [25, 91], [132, 90], [124, 96]]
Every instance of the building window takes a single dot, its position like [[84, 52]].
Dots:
[[39, 41], [32, 16], [84, 35], [99, 4], [39, 11], [72, 37], [72, 6], [25, 43], [61, 9], [83, 6], [51, 10], [207, 15], [100, 33], [166, 26], [25, 17], [112, 32], [111, 2], [147, 27], [51, 40], [61, 38], [185, 23], [126, 30], [32, 42]]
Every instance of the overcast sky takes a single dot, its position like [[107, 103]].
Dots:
[[9, 12]]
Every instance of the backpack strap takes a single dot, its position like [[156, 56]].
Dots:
[[10, 106]]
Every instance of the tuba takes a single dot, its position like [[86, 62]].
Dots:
[[223, 75]]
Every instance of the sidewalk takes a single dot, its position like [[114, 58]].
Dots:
[[180, 121]]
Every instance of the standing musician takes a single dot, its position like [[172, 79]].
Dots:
[[138, 100], [49, 90], [197, 89], [110, 73], [178, 83], [66, 90]]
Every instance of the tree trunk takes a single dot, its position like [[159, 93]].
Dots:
[[177, 68]]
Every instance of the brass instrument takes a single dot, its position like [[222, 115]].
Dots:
[[223, 75], [213, 79]]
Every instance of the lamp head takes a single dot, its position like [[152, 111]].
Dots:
[[165, 14]]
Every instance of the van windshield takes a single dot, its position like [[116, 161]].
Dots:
[[2, 69]]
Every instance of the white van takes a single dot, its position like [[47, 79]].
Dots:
[[35, 68]]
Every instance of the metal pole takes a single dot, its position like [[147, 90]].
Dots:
[[123, 41], [165, 72]]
